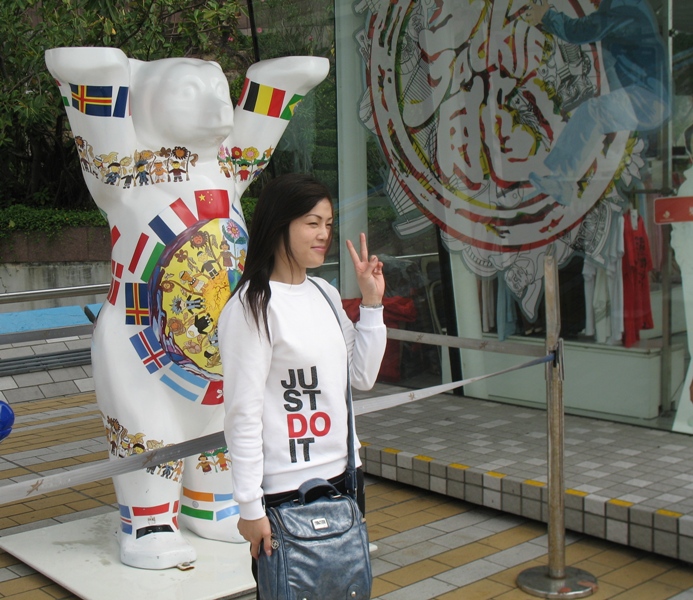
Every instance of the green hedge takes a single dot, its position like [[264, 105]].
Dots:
[[48, 221]]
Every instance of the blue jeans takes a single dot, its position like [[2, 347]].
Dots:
[[631, 108]]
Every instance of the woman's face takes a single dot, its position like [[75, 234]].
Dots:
[[310, 235]]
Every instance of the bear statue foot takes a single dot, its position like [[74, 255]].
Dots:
[[225, 530], [161, 549]]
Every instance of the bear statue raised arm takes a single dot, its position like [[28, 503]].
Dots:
[[166, 157]]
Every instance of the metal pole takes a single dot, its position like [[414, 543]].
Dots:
[[49, 294], [555, 580], [554, 396], [666, 275]]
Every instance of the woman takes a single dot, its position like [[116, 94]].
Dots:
[[285, 357]]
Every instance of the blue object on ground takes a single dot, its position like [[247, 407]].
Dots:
[[42, 318], [6, 419]]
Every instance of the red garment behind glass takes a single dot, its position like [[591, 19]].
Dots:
[[396, 310], [637, 264]]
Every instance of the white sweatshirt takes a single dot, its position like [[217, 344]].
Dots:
[[286, 415]]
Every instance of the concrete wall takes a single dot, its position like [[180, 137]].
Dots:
[[19, 277], [75, 257]]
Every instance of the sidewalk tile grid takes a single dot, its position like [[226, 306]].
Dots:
[[457, 497]]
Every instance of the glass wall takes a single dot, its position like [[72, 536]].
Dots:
[[470, 140]]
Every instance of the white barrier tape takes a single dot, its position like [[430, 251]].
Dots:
[[109, 468], [362, 407], [451, 341]]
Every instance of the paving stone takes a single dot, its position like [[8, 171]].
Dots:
[[64, 388], [23, 394], [50, 348], [28, 379], [67, 374], [7, 383], [16, 353]]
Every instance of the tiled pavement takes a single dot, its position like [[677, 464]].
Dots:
[[44, 384], [423, 459]]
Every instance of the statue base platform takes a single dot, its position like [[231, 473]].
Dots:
[[83, 557]]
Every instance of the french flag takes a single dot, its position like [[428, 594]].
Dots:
[[172, 221]]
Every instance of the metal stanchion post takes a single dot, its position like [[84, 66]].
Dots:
[[555, 580]]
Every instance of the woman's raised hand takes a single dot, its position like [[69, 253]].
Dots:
[[369, 273]]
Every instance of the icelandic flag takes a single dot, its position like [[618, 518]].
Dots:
[[183, 382], [136, 304], [212, 204], [98, 101], [145, 256], [172, 221], [149, 350]]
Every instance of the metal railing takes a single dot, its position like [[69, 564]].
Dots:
[[50, 294]]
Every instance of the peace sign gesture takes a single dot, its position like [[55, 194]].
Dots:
[[369, 273]]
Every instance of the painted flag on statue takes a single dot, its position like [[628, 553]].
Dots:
[[204, 505], [116, 274], [136, 304], [214, 394], [172, 221], [98, 100], [262, 99], [290, 108], [145, 256], [187, 384], [212, 204], [149, 350]]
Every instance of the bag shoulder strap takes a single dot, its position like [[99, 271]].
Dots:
[[351, 483]]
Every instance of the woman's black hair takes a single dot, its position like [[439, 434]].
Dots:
[[283, 200]]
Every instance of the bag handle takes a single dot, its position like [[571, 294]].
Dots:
[[351, 483], [315, 484]]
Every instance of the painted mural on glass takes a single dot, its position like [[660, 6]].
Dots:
[[514, 126]]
